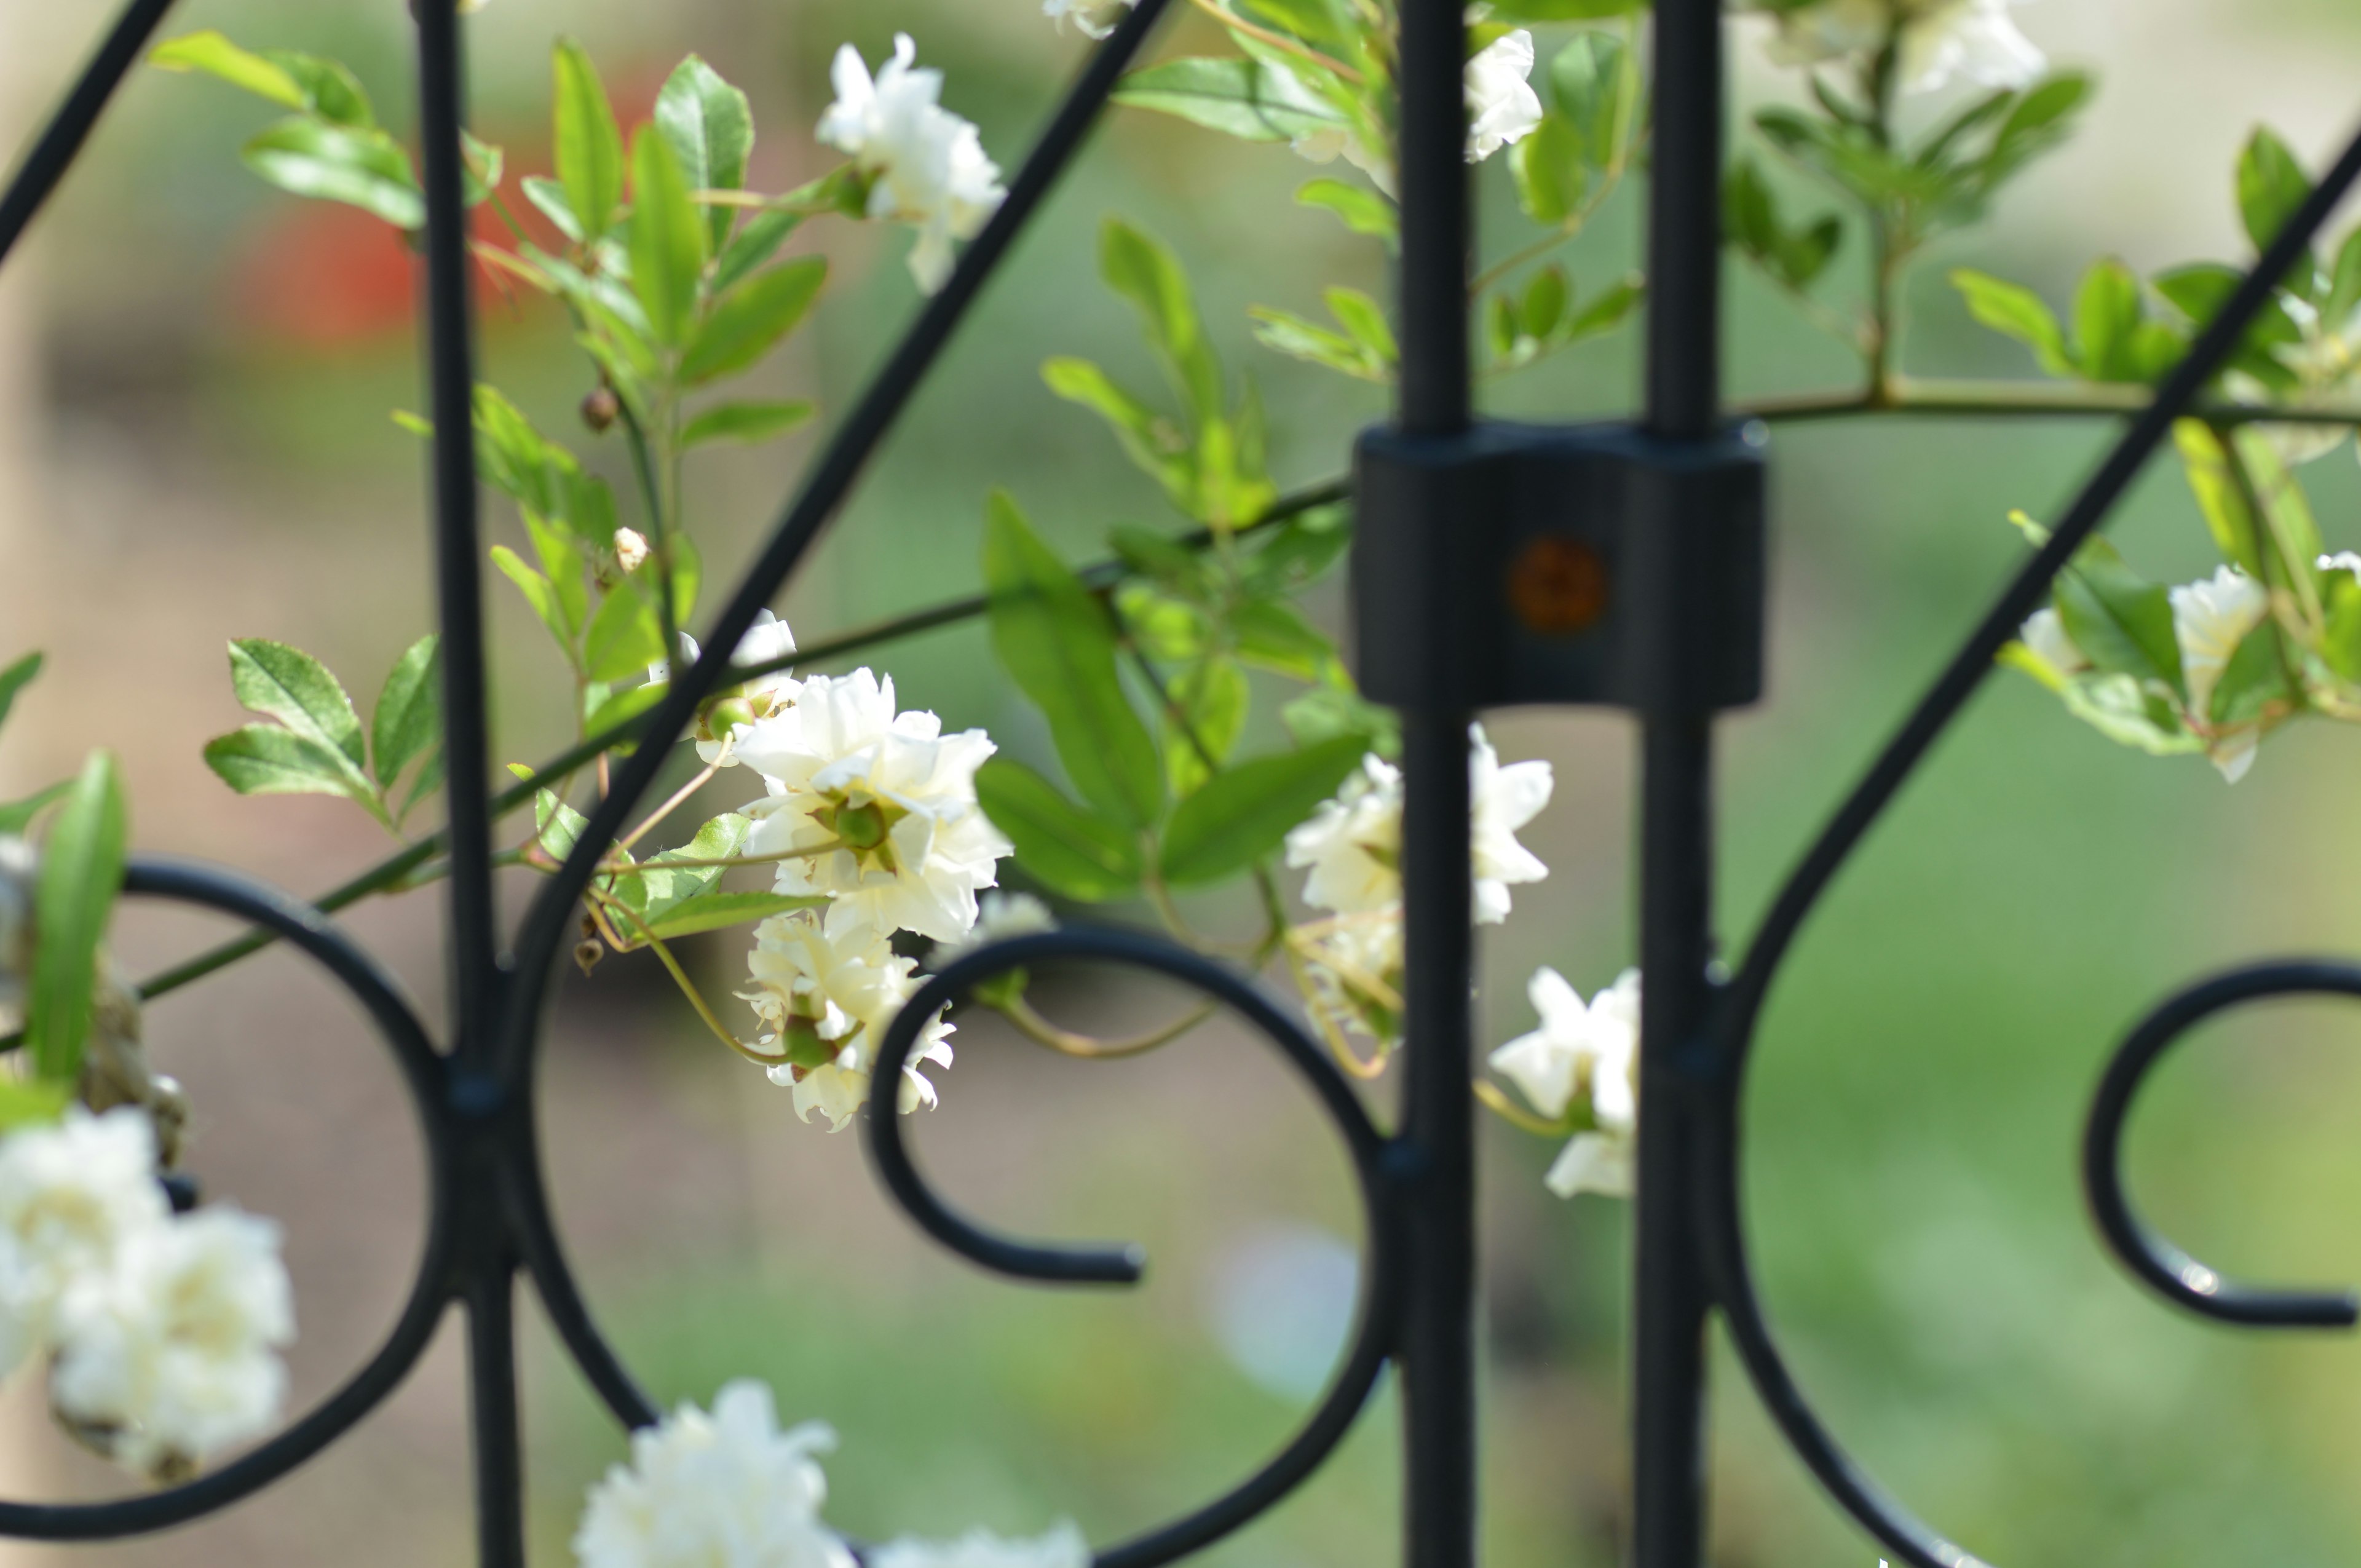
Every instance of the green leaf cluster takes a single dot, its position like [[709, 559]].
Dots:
[[315, 743]]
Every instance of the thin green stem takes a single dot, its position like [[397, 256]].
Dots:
[[2021, 400], [1089, 1047]]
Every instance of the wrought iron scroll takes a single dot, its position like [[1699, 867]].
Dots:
[[487, 1211]]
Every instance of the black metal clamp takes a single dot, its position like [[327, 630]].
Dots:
[[1529, 564]]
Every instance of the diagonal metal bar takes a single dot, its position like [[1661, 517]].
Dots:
[[62, 140], [840, 464]]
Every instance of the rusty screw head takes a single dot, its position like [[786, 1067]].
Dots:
[[1557, 585]]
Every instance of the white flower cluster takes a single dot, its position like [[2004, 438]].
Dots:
[[1936, 42], [1091, 18], [2210, 617], [728, 1489], [1502, 109], [1588, 1053], [1352, 847], [163, 1331], [874, 811], [926, 166]]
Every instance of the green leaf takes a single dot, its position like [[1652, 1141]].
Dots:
[[81, 872], [14, 679], [2271, 186], [1323, 24], [718, 911], [1273, 634], [711, 128], [1069, 848], [215, 56], [2041, 118], [1152, 441], [1293, 334], [1362, 211], [2341, 645], [621, 705], [561, 563], [668, 882], [550, 197], [1550, 174], [263, 759], [748, 322], [1147, 273], [2344, 285], [33, 1102], [2017, 312], [557, 827], [18, 815], [539, 592], [754, 246], [407, 723], [1563, 10], [1544, 303], [289, 685], [2233, 525], [668, 239], [1250, 99], [1056, 643], [1591, 84], [366, 168], [2119, 707], [745, 422], [2121, 623], [1211, 697], [589, 146], [1243, 814], [2106, 321], [624, 637], [1365, 319], [480, 165], [2254, 682], [331, 91]]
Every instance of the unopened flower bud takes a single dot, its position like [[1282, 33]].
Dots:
[[631, 548], [725, 716], [602, 408]]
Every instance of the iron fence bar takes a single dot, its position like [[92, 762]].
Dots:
[[62, 140], [484, 1267], [840, 464], [459, 589], [1434, 1151], [1672, 1297]]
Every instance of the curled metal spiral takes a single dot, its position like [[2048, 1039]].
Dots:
[[1356, 1373], [2162, 1267], [311, 933]]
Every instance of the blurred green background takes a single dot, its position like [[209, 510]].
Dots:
[[195, 374]]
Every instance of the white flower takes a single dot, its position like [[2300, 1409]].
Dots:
[[1001, 917], [1592, 1051], [827, 997], [1579, 1049], [725, 1490], [1354, 962], [877, 809], [1939, 41], [2210, 617], [1502, 107], [1062, 1547], [2343, 561], [2045, 635], [1506, 799], [1091, 18], [1593, 1162], [171, 1355], [71, 1196], [927, 164], [1353, 842]]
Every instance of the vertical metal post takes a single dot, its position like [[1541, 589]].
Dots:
[[1671, 1299], [1437, 1350], [485, 1264], [458, 571]]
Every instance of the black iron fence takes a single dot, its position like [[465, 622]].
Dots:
[[1665, 510]]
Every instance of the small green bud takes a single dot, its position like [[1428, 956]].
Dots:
[[860, 827]]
